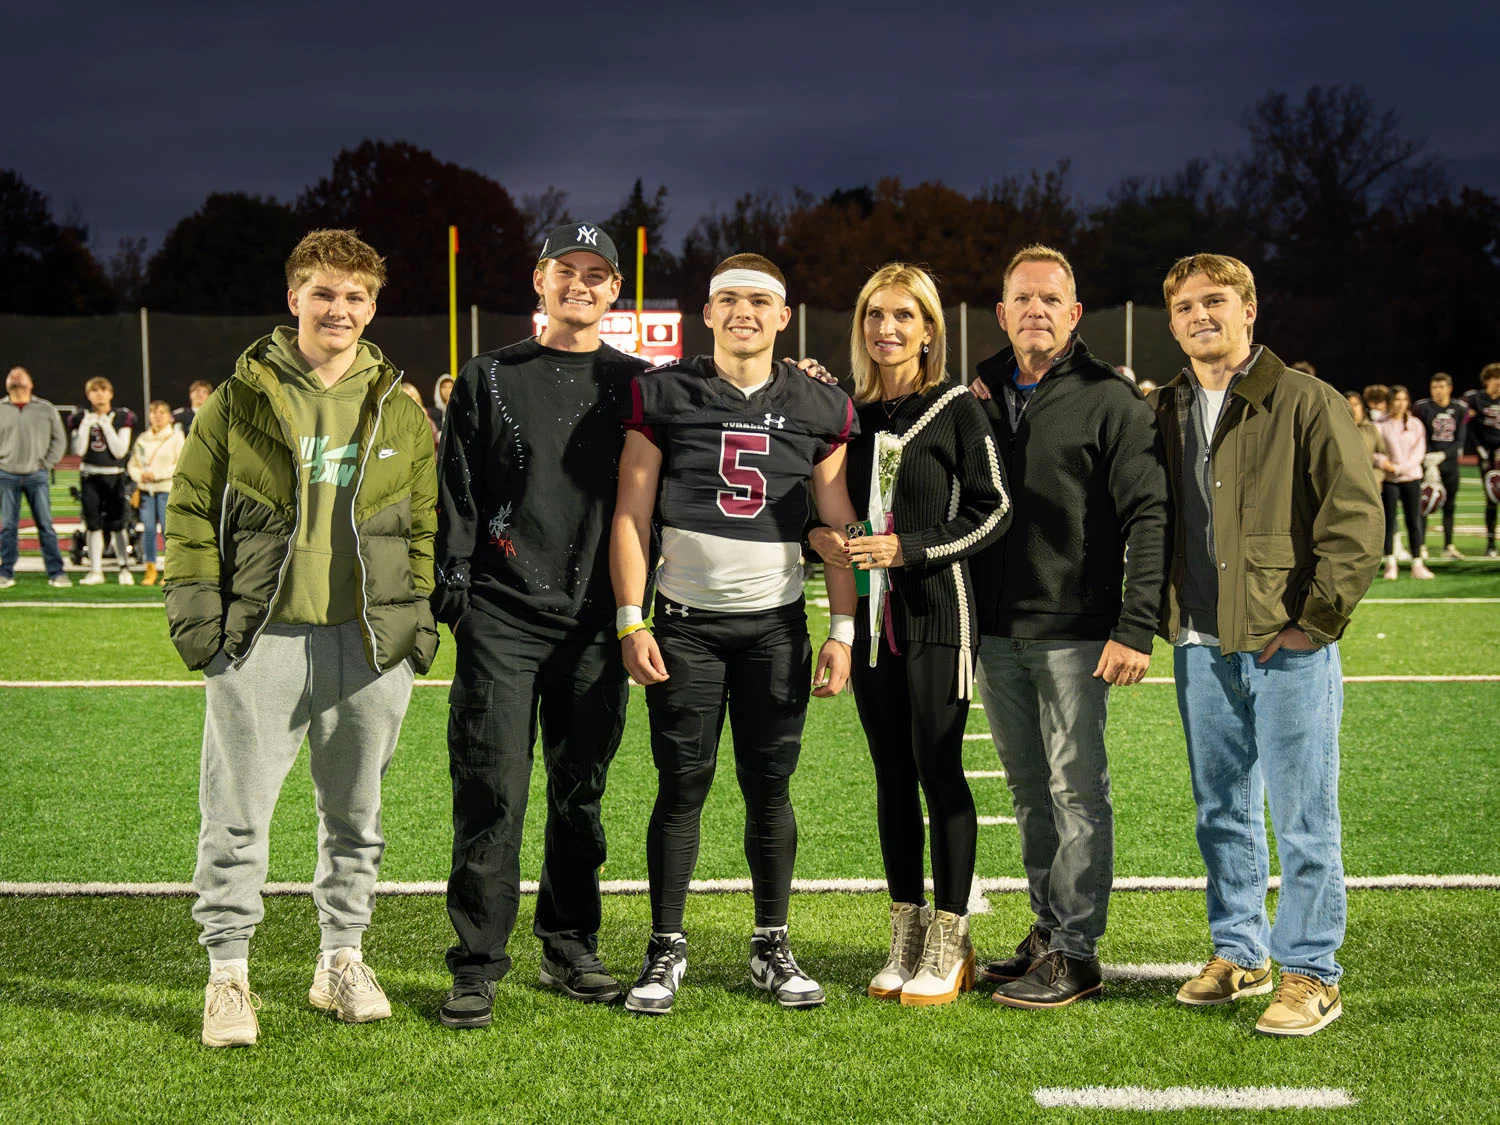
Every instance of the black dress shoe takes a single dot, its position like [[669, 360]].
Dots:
[[1032, 949], [469, 1003], [585, 979], [1054, 981]]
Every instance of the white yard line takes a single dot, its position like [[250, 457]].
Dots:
[[1123, 884], [1430, 601], [80, 605], [1193, 1097], [977, 737], [979, 775], [986, 821], [1153, 970]]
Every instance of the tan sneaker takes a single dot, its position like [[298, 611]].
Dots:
[[947, 965], [909, 924], [229, 1009], [349, 989], [1303, 1005], [1222, 981]]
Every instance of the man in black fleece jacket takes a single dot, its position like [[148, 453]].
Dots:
[[1068, 603]]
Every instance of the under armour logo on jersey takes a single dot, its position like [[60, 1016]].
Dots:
[[674, 610], [588, 234], [777, 420]]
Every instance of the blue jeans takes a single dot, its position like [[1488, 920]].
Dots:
[[35, 488], [1256, 731], [153, 515], [1047, 714]]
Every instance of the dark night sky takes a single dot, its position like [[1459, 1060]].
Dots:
[[135, 112]]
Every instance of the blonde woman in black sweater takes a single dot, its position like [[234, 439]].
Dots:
[[936, 497]]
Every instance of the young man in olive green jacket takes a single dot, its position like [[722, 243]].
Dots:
[[299, 565], [1276, 535]]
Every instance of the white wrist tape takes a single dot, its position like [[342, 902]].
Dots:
[[626, 616], [746, 279], [841, 628]]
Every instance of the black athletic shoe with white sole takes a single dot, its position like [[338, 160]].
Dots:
[[585, 979], [661, 974], [775, 970]]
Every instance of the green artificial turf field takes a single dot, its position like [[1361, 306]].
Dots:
[[100, 997]]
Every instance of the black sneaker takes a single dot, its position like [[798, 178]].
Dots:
[[469, 1003], [585, 979], [1054, 981], [774, 969], [662, 972], [1032, 949]]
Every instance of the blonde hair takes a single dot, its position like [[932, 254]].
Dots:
[[918, 284], [1218, 268], [98, 383], [340, 252], [1037, 252]]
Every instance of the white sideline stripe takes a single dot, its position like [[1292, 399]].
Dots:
[[976, 738], [421, 682], [80, 605], [1147, 883], [1153, 970], [977, 775], [1194, 1097], [1430, 601], [985, 821]]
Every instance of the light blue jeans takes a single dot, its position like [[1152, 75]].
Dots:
[[34, 486], [1256, 731], [154, 516], [1047, 714]]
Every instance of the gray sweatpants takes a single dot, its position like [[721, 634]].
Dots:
[[299, 681]]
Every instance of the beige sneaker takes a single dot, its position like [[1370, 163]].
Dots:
[[1222, 981], [947, 964], [229, 1009], [1303, 1005], [349, 989], [1390, 573], [909, 924]]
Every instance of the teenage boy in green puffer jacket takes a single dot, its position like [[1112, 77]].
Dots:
[[299, 566]]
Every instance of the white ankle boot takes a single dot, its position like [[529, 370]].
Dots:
[[947, 965], [909, 924]]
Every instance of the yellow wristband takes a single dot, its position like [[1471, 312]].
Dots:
[[625, 632]]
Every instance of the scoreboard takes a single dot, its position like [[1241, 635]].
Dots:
[[657, 338]]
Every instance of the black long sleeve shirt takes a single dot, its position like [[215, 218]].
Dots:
[[527, 475]]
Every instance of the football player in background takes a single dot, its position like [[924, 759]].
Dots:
[[732, 440], [1486, 421], [101, 437], [1447, 421]]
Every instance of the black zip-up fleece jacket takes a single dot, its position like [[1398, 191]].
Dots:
[[1086, 554]]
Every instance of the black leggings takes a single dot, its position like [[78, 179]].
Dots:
[[757, 669], [1410, 494], [915, 728], [1448, 473]]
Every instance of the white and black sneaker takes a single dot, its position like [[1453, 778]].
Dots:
[[774, 969], [662, 972]]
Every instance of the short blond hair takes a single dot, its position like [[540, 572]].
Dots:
[[340, 252], [918, 284], [1218, 268], [98, 383], [1037, 252]]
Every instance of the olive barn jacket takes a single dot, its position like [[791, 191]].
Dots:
[[236, 502], [1297, 521]]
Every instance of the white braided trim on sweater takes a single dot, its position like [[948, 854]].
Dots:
[[944, 550]]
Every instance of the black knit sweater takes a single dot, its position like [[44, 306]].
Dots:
[[950, 502]]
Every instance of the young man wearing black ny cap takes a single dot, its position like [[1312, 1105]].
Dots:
[[527, 470]]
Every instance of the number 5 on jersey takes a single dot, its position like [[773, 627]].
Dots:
[[745, 497]]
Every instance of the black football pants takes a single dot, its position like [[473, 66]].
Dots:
[[505, 677], [757, 668]]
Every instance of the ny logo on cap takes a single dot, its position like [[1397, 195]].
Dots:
[[588, 234], [777, 420]]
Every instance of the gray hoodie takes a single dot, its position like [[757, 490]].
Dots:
[[31, 436]]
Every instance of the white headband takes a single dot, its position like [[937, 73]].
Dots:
[[753, 279]]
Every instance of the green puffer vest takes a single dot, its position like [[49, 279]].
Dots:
[[236, 502]]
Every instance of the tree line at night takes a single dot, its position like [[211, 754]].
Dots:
[[1367, 259]]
